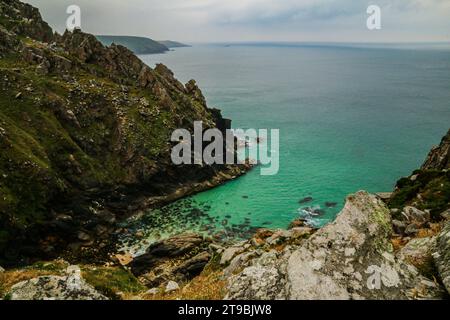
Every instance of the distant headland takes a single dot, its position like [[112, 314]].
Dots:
[[140, 45]]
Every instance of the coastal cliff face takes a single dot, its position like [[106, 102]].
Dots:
[[85, 136]]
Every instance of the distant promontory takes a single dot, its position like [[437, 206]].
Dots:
[[140, 45]]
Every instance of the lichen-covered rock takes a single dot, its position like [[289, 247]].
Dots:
[[263, 280], [442, 256], [69, 287]]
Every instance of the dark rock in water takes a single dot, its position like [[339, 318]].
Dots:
[[228, 216], [165, 249], [330, 204], [245, 197], [306, 200], [227, 203], [224, 222], [267, 223]]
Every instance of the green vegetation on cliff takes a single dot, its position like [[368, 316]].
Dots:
[[84, 135], [429, 187]]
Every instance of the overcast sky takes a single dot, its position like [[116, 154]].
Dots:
[[257, 20]]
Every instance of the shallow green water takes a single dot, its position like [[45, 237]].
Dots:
[[350, 118]]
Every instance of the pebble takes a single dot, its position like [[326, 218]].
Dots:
[[172, 286]]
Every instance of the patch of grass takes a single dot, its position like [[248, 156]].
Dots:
[[113, 282], [207, 286]]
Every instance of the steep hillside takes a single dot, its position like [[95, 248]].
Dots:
[[428, 187], [84, 137], [139, 45]]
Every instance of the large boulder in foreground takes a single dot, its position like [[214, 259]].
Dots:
[[69, 287], [351, 258]]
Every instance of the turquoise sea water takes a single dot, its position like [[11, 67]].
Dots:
[[350, 118]]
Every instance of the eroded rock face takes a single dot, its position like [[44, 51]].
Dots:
[[69, 287], [442, 256], [351, 258]]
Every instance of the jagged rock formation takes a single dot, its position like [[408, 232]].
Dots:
[[351, 258], [85, 136]]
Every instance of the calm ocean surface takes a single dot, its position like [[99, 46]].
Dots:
[[350, 118]]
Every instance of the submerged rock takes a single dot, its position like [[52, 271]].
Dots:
[[306, 200]]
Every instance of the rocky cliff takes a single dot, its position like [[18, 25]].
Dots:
[[85, 136]]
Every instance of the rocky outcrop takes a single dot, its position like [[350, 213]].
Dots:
[[24, 20], [442, 256], [178, 258], [351, 258], [69, 287]]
